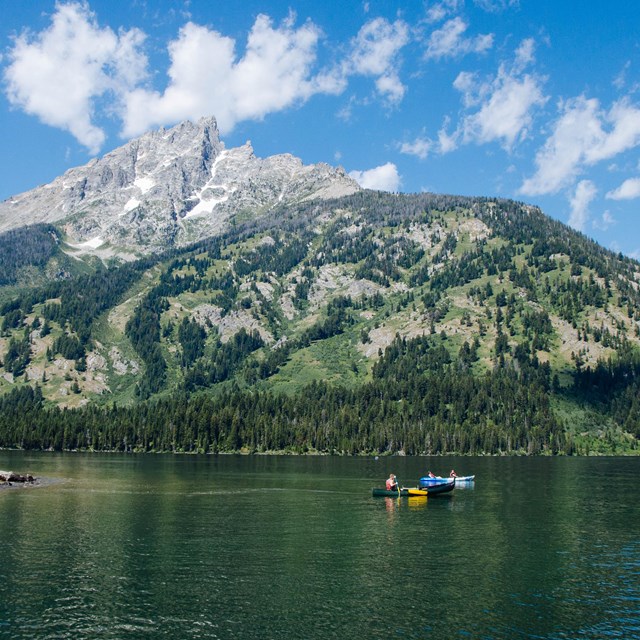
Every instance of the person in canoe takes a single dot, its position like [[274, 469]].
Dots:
[[453, 474], [392, 483], [431, 474]]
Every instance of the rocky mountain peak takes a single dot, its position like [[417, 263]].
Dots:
[[168, 187]]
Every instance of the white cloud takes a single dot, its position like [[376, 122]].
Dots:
[[448, 41], [605, 222], [391, 87], [375, 53], [507, 113], [628, 190], [275, 72], [585, 193], [580, 138], [466, 84], [64, 73], [58, 73], [496, 6], [447, 142], [525, 54], [382, 178], [442, 9], [506, 103], [558, 161], [207, 78], [420, 147], [620, 80], [624, 134]]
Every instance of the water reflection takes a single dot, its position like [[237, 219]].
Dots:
[[391, 504], [417, 503], [241, 548]]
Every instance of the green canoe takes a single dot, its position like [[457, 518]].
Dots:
[[402, 493], [410, 492]]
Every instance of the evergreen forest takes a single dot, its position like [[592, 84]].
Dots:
[[370, 324]]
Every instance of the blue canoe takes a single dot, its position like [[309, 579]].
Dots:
[[428, 481]]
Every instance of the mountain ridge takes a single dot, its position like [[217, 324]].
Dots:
[[373, 322], [167, 188]]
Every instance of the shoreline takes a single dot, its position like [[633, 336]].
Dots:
[[337, 454]]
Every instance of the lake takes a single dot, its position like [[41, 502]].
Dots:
[[237, 547]]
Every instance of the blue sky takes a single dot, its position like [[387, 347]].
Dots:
[[536, 100]]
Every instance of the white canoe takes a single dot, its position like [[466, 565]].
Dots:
[[465, 479]]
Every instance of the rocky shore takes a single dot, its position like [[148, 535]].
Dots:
[[9, 478]]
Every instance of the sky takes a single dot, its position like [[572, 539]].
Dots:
[[534, 100]]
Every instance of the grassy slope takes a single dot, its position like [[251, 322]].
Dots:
[[344, 359]]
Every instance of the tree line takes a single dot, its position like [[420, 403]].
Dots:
[[420, 401]]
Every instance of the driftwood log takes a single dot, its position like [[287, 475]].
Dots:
[[8, 477]]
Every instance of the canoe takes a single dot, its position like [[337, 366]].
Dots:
[[406, 492], [428, 481], [443, 487], [403, 493], [460, 479], [436, 484]]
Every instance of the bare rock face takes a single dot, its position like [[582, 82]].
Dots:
[[168, 188]]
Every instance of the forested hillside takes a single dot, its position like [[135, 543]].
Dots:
[[372, 323]]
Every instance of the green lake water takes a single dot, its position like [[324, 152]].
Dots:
[[236, 547]]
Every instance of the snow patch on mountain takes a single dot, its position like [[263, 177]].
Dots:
[[144, 184], [131, 204], [212, 194]]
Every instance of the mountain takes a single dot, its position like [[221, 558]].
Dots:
[[167, 188], [367, 323]]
